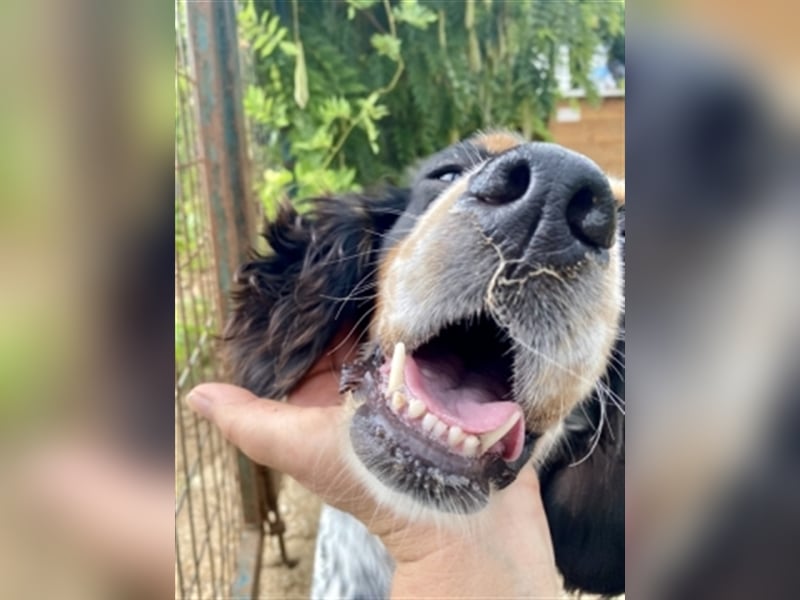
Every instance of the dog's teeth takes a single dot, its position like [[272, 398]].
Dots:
[[429, 421], [492, 437], [455, 436], [396, 378], [398, 401], [439, 429], [416, 408], [471, 444]]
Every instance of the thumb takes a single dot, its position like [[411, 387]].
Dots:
[[291, 439]]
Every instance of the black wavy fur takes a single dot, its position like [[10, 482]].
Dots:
[[583, 489], [583, 482], [290, 302]]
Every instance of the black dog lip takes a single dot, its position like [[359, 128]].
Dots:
[[502, 473], [417, 443], [375, 439], [402, 457], [389, 458]]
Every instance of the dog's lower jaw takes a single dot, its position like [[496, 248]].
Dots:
[[460, 495]]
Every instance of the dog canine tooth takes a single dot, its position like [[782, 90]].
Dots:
[[416, 408], [492, 437], [455, 436], [471, 444], [398, 401], [439, 429], [429, 421], [396, 376]]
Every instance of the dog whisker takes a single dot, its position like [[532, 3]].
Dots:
[[354, 328]]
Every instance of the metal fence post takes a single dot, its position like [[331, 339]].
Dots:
[[213, 36]]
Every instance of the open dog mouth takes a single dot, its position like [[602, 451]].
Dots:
[[439, 422]]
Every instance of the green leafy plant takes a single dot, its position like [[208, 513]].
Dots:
[[357, 90]]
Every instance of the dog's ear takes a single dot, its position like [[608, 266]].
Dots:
[[289, 303], [583, 489]]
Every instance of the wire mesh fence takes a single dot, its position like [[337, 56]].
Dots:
[[224, 503], [208, 518]]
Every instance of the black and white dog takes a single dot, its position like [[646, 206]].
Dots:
[[488, 300]]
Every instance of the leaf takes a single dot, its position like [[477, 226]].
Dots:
[[322, 139], [386, 45], [260, 41], [356, 5], [379, 112], [371, 99], [247, 16], [272, 25], [254, 100], [274, 184], [371, 110], [362, 4], [270, 46], [415, 15], [300, 78], [314, 181], [288, 48], [264, 35], [375, 112], [372, 134], [335, 108]]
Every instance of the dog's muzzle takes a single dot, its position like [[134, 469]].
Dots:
[[543, 204]]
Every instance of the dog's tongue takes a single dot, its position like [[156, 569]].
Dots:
[[469, 400]]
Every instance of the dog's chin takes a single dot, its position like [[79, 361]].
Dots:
[[405, 461], [437, 424]]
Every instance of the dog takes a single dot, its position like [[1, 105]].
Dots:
[[487, 298]]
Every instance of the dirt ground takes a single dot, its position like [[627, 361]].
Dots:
[[300, 511]]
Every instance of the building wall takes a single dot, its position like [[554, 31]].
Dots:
[[598, 132]]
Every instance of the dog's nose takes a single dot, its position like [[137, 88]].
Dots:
[[549, 204]]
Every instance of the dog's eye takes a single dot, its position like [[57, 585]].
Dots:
[[447, 174]]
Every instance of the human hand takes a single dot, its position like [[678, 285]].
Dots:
[[505, 550]]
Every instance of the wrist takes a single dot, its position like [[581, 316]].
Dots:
[[503, 551], [471, 570]]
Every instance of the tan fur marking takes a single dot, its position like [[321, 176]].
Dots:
[[545, 417], [618, 190], [428, 225], [557, 387], [497, 142]]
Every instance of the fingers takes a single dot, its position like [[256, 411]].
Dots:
[[307, 443], [291, 439]]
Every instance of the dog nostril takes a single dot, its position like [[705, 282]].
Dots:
[[591, 220], [508, 183]]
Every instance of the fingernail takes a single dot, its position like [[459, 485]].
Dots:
[[199, 403]]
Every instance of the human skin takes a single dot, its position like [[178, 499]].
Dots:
[[503, 551]]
